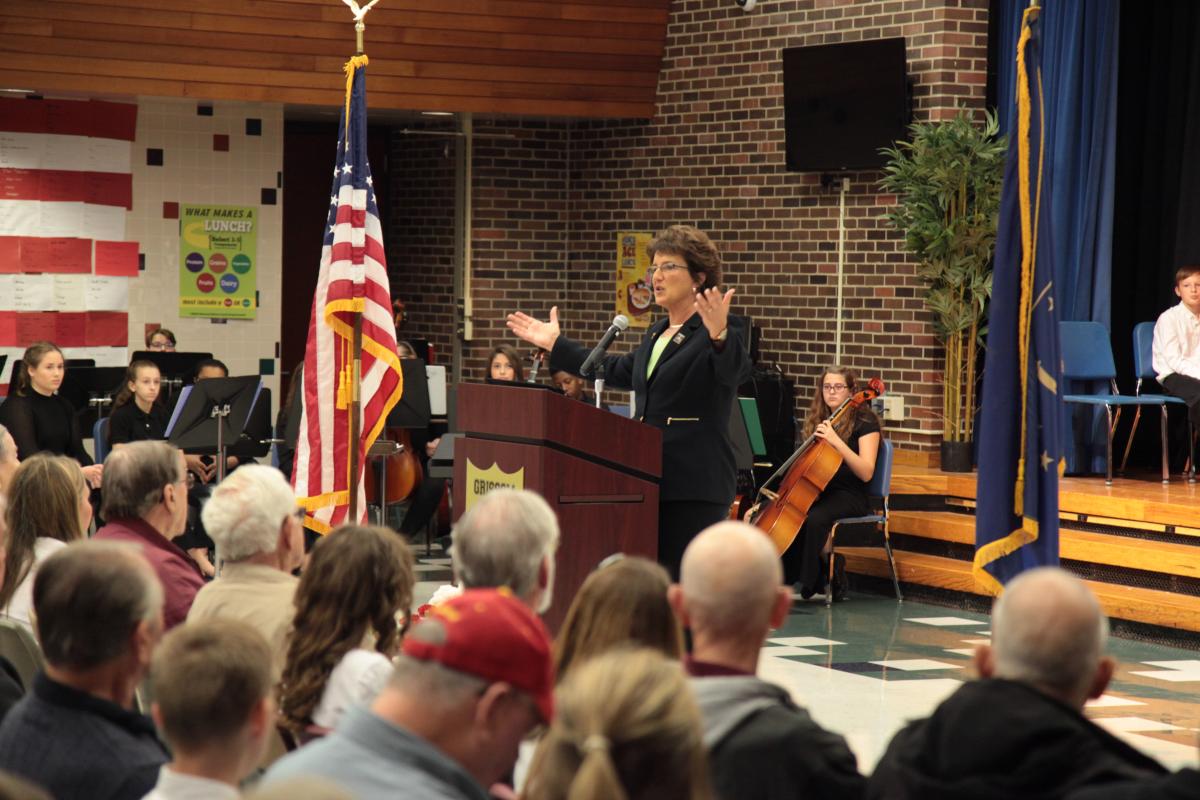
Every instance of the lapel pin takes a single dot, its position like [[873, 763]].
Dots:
[[679, 337]]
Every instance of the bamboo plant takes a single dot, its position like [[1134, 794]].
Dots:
[[947, 182]]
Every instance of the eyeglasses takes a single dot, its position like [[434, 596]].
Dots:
[[833, 387], [162, 347], [668, 267]]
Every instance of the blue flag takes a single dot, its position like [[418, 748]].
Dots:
[[1020, 458]]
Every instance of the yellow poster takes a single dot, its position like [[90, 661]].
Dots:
[[482, 481], [635, 297]]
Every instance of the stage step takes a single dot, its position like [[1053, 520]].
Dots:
[[1148, 555], [1135, 604]]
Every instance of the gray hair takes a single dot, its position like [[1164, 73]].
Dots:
[[135, 475], [3, 449], [502, 541], [438, 687], [1048, 630], [244, 513], [730, 576], [88, 597]]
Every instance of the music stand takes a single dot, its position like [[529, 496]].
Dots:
[[256, 439], [413, 409], [91, 390], [177, 368], [211, 415]]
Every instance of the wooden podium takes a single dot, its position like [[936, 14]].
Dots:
[[599, 472]]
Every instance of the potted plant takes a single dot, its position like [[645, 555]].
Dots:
[[947, 182]]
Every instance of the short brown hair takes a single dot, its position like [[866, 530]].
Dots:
[[1185, 272], [621, 604], [135, 475], [694, 247], [89, 597], [208, 677]]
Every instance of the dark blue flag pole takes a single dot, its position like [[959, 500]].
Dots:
[[1020, 458]]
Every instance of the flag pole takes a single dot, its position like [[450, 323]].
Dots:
[[356, 457]]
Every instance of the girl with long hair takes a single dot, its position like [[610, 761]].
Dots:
[[136, 414], [345, 632], [504, 364], [625, 728], [39, 419], [856, 437], [47, 508]]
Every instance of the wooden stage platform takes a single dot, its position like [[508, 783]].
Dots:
[[1136, 543]]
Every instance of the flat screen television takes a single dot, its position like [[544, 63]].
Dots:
[[842, 102]]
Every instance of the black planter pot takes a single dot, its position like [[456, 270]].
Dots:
[[956, 456]]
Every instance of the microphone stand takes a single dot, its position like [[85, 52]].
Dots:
[[598, 384]]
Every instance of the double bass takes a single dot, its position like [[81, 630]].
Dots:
[[786, 497]]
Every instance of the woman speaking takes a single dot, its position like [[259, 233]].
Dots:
[[684, 376]]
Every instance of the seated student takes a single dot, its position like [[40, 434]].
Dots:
[[345, 633], [160, 340], [504, 364], [1176, 350], [136, 414], [212, 702], [625, 726], [48, 507], [856, 438], [39, 419], [571, 385], [1020, 731]]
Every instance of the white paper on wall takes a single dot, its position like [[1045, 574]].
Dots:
[[103, 356], [102, 223], [107, 293], [65, 152], [7, 290], [60, 219], [109, 155], [21, 150], [19, 217], [33, 292], [70, 292]]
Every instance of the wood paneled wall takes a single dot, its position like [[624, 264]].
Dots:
[[588, 58]]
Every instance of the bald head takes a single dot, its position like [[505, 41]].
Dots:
[[1048, 630], [730, 578]]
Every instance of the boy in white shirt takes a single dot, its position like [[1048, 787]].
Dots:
[[212, 687], [1176, 351]]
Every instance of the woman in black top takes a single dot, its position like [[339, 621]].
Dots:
[[41, 421], [857, 438]]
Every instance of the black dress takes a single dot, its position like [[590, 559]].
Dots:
[[128, 423], [844, 496], [43, 424]]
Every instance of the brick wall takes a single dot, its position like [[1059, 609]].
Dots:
[[548, 200]]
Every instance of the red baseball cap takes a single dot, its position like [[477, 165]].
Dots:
[[492, 635]]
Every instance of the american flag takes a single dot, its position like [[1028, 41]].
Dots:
[[353, 280]]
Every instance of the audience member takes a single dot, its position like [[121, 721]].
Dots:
[[623, 603], [145, 502], [448, 723], [508, 538], [253, 518], [99, 616], [48, 507], [300, 789], [160, 340], [12, 688], [760, 743], [626, 727], [344, 634], [8, 459], [212, 685], [1019, 731]]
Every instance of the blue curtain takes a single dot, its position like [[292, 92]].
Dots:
[[1079, 74]]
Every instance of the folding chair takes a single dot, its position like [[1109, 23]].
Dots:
[[1087, 356], [1143, 367], [877, 490]]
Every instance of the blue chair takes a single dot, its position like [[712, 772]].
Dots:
[[100, 446], [878, 491], [1087, 356], [1143, 368]]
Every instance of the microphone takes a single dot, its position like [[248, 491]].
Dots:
[[620, 322]]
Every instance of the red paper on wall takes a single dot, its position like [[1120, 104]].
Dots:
[[107, 329], [57, 254], [70, 328], [8, 329], [117, 258], [10, 254], [35, 326]]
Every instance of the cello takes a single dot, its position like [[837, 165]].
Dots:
[[786, 497]]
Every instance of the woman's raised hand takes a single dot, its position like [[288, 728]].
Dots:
[[534, 331]]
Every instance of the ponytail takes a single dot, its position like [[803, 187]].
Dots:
[[596, 778]]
